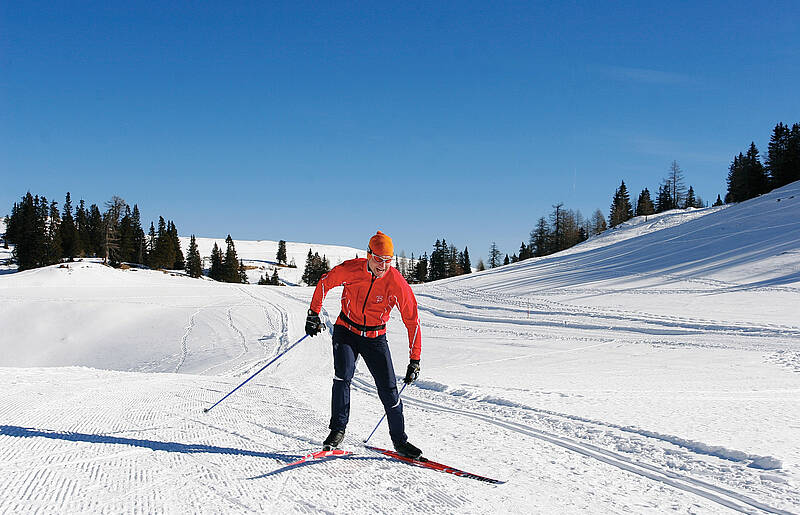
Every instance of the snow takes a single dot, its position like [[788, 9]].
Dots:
[[653, 368]]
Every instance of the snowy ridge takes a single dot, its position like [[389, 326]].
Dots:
[[651, 369]]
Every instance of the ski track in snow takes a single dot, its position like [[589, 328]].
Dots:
[[715, 493]]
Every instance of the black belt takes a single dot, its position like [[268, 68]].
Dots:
[[362, 328]]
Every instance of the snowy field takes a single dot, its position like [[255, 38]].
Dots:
[[653, 369]]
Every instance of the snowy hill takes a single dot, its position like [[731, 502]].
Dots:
[[654, 368], [261, 254]]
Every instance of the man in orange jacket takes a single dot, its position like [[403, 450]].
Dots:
[[371, 289]]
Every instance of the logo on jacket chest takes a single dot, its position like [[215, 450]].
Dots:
[[378, 299]]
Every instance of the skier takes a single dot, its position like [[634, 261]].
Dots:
[[371, 289]]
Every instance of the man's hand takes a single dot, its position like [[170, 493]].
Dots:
[[313, 323], [412, 372]]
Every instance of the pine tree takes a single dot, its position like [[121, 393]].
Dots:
[[421, 271], [664, 198], [139, 241], [644, 205], [281, 252], [230, 264], [96, 233], [54, 249], [194, 264], [494, 256], [82, 228], [216, 272], [506, 260], [466, 265], [621, 210], [756, 174], [176, 247], [540, 238], [275, 280], [151, 258], [779, 156], [69, 233], [127, 250], [242, 279], [691, 201], [718, 201]]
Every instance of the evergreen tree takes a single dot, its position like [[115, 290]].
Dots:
[[69, 233], [540, 238], [718, 201], [454, 261], [466, 265], [621, 210], [316, 267], [644, 205], [281, 252], [139, 254], [194, 264], [96, 232], [164, 249], [54, 248], [275, 281], [691, 201], [746, 177], [151, 258], [242, 279], [264, 280], [127, 250], [215, 272], [756, 174], [82, 228], [793, 151], [506, 260], [783, 155], [558, 240], [421, 271], [176, 247], [494, 256], [230, 265], [437, 265], [664, 199]]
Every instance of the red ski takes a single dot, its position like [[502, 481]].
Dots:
[[319, 455], [426, 463]]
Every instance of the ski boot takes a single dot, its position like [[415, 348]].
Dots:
[[408, 450], [334, 439]]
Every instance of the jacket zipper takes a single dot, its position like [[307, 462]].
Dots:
[[364, 309]]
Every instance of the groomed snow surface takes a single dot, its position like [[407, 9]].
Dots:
[[653, 369]]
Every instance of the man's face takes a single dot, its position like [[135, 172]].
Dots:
[[378, 265]]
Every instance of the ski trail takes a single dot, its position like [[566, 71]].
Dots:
[[184, 340], [717, 494]]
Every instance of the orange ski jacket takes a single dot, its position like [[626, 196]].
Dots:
[[367, 300]]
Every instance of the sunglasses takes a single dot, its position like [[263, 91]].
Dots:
[[381, 259]]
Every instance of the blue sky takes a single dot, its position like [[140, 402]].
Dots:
[[322, 122]]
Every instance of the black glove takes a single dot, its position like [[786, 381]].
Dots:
[[313, 323], [412, 372]]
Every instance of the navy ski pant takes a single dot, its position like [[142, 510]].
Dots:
[[347, 346]]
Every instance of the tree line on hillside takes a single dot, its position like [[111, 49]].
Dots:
[[42, 235], [748, 177]]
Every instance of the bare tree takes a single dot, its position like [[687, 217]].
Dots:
[[675, 179]]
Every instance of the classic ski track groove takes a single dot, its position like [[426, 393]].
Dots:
[[717, 494]]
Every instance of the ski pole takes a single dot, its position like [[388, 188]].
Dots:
[[206, 410], [384, 414]]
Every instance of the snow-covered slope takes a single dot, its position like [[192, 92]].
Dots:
[[654, 368]]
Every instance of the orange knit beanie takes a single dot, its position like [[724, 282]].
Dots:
[[381, 245]]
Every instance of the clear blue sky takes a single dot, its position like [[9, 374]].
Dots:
[[314, 121]]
